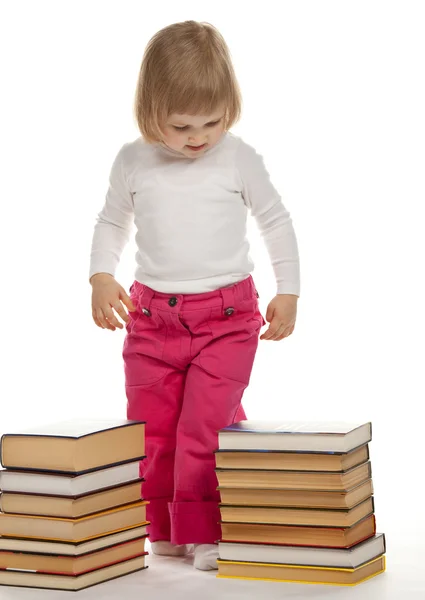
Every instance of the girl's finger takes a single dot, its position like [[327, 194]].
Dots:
[[266, 335], [271, 331], [102, 319], [109, 314], [127, 301], [282, 336], [118, 307], [279, 332], [274, 330], [285, 334], [96, 320]]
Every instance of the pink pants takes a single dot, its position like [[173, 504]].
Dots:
[[188, 359]]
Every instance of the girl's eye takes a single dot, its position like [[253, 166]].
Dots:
[[186, 126]]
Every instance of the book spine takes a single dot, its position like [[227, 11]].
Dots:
[[1, 449]]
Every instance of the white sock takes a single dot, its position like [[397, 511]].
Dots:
[[206, 556], [165, 548]]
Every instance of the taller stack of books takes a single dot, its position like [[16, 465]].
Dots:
[[72, 509], [297, 503]]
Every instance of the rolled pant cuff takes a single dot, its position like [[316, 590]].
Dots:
[[195, 522], [159, 517]]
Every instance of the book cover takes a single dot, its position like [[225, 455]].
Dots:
[[298, 535], [300, 573], [68, 484], [313, 436], [74, 446], [338, 428], [72, 428], [82, 528], [353, 557], [73, 565], [71, 582], [72, 548]]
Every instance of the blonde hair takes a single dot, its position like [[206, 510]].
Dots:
[[186, 69]]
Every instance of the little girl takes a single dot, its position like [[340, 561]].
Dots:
[[194, 322]]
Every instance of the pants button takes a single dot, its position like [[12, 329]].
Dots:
[[229, 311], [146, 312], [172, 301]]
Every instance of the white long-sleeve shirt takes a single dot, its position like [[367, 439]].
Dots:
[[190, 216]]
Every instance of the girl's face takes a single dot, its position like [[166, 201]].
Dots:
[[184, 132]]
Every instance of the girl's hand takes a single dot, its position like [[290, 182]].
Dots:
[[108, 294], [281, 314]]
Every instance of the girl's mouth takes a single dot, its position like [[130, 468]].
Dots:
[[196, 148]]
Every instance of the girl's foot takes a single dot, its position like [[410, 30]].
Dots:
[[206, 556], [164, 548]]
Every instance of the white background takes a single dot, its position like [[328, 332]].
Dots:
[[334, 99]]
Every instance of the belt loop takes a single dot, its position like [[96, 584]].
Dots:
[[145, 298], [250, 288], [228, 298], [253, 287]]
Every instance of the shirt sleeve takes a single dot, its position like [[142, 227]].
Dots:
[[273, 219], [114, 223]]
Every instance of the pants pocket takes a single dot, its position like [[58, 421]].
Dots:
[[143, 349], [233, 346]]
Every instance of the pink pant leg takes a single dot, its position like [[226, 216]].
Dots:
[[195, 514], [214, 387], [154, 390], [158, 406]]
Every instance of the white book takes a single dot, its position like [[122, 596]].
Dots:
[[312, 436], [349, 558], [57, 484]]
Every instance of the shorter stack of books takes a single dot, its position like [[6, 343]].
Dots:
[[72, 513], [297, 503]]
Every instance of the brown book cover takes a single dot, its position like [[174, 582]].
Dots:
[[307, 480], [73, 565], [74, 446], [296, 498], [73, 530], [71, 582], [297, 516], [67, 548], [294, 535], [71, 507], [291, 461]]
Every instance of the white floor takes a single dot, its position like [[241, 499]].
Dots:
[[176, 579]]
